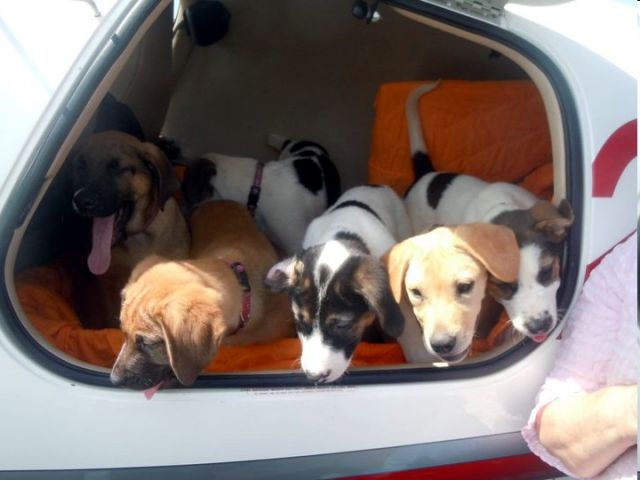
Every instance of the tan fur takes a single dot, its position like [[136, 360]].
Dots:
[[166, 235], [425, 272], [195, 304]]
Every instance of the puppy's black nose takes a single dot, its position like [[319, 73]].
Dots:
[[83, 203], [443, 345], [540, 324]]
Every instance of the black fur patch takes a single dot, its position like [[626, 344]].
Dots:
[[115, 115], [341, 309], [355, 203], [437, 187], [331, 179], [196, 185], [309, 174], [353, 239], [421, 165], [323, 275]]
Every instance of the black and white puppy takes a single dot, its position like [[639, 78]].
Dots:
[[337, 284], [540, 228], [286, 195]]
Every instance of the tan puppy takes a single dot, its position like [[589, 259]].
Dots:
[[175, 314], [125, 186], [439, 279]]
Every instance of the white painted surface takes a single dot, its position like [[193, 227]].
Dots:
[[48, 423]]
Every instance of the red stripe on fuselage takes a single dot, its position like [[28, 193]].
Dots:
[[616, 153]]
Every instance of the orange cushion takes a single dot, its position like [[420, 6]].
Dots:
[[494, 130]]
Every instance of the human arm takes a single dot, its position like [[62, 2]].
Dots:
[[599, 349], [588, 431]]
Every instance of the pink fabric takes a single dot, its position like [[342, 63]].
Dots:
[[600, 347]]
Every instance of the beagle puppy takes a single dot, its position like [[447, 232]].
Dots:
[[441, 198], [439, 279], [175, 314]]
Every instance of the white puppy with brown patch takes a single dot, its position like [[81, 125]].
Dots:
[[452, 199], [439, 280]]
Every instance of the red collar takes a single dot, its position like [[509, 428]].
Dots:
[[254, 193], [243, 280]]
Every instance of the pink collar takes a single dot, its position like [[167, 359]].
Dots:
[[243, 280]]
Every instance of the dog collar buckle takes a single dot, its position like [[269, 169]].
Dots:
[[254, 193]]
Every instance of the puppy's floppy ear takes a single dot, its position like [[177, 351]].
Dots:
[[192, 338], [397, 262], [165, 183], [196, 185], [494, 246], [280, 277], [371, 281], [551, 220]]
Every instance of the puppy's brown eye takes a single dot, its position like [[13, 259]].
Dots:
[[464, 287], [416, 293]]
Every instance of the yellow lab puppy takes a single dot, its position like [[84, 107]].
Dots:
[[439, 280], [175, 314]]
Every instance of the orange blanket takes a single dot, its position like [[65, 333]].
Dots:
[[496, 130], [493, 130], [46, 296]]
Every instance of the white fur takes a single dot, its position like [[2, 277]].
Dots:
[[378, 236], [320, 360], [531, 297], [466, 200], [411, 106], [285, 207], [333, 255]]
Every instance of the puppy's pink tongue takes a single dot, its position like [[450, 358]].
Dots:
[[539, 338], [150, 392], [100, 256]]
